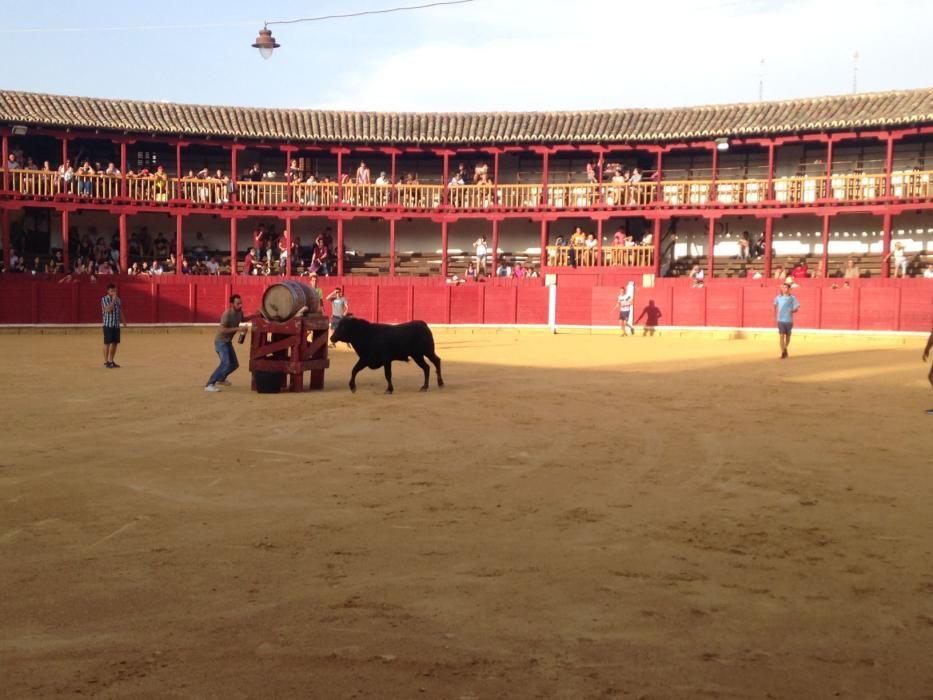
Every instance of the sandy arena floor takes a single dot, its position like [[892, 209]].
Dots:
[[573, 516]]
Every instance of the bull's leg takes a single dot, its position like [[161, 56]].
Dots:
[[388, 369], [419, 360], [356, 370], [436, 361]]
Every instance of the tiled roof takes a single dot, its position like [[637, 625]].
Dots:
[[871, 110]]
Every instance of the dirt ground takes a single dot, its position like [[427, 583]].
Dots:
[[572, 516]]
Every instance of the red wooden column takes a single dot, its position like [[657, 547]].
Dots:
[[543, 243], [288, 152], [712, 188], [444, 248], [340, 247], [64, 150], [545, 174], [234, 172], [445, 193], [339, 153], [233, 242], [178, 172], [829, 169], [711, 243], [659, 193], [288, 242], [888, 166], [599, 241], [6, 238], [179, 242], [495, 178], [495, 246], [600, 167], [6, 174], [124, 245], [824, 263], [769, 196], [392, 223], [886, 245], [769, 242], [123, 169], [66, 240], [656, 239]]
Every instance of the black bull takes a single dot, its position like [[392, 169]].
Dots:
[[379, 345]]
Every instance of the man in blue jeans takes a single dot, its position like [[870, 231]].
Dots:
[[786, 305], [231, 321]]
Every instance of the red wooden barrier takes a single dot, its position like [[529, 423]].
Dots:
[[882, 304]]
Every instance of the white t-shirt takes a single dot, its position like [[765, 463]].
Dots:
[[480, 248]]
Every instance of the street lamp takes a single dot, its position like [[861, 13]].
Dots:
[[722, 144], [265, 42]]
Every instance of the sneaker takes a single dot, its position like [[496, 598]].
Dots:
[[226, 383], [211, 388], [930, 411], [114, 365], [784, 355], [107, 365]]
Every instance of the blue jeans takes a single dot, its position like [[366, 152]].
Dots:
[[228, 362]]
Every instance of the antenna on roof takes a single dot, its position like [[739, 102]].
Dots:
[[855, 72], [761, 79]]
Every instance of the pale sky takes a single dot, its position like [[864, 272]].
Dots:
[[486, 55]]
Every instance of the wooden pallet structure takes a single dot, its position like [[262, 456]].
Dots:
[[291, 348]]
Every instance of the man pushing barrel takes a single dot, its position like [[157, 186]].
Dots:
[[231, 321]]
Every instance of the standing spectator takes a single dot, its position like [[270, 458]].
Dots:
[[85, 180], [900, 259], [66, 175], [339, 307], [786, 305], [482, 250], [231, 321], [248, 262], [283, 254], [160, 184], [362, 174], [112, 310]]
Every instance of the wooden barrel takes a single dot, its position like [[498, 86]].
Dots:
[[283, 300]]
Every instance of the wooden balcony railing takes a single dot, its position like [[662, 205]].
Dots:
[[613, 256], [419, 196], [841, 188]]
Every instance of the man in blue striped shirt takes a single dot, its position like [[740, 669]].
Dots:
[[112, 309]]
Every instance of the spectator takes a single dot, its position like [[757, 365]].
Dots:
[[503, 270], [85, 180], [249, 262], [852, 270], [362, 174], [800, 271], [900, 259], [160, 184], [745, 245], [928, 273], [470, 273], [697, 275], [66, 175], [156, 268], [481, 252], [212, 267]]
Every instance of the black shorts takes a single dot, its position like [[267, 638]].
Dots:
[[624, 314], [785, 328], [111, 335]]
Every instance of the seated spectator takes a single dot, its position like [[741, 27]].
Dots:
[[697, 275], [104, 268], [503, 270], [518, 272], [780, 272], [156, 268], [249, 262], [852, 270], [800, 271], [618, 238], [745, 245], [134, 270], [212, 267], [928, 273]]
